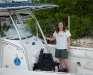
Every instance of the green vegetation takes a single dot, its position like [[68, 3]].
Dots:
[[80, 12]]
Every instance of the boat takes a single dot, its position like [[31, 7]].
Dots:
[[20, 49]]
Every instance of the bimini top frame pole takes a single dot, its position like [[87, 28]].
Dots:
[[31, 13], [19, 18], [20, 39]]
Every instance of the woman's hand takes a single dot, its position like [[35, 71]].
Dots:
[[51, 39], [68, 49], [44, 36]]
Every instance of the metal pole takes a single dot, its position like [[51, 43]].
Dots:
[[31, 13], [19, 18], [69, 23], [20, 41], [0, 51]]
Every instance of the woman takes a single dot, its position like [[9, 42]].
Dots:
[[62, 37]]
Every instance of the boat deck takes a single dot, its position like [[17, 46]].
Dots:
[[7, 71]]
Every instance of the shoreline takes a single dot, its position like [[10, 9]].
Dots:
[[86, 42]]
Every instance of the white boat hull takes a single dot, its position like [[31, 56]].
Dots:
[[76, 54]]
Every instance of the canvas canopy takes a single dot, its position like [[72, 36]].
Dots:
[[19, 5]]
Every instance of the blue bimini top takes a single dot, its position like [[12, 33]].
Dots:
[[19, 5]]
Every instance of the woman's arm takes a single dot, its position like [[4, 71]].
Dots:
[[51, 39], [68, 41]]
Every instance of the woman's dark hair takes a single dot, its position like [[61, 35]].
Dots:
[[64, 26]]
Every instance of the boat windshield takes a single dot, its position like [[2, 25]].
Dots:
[[8, 30]]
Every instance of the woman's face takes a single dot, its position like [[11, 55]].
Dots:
[[60, 26]]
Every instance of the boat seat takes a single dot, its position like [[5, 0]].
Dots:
[[88, 65]]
